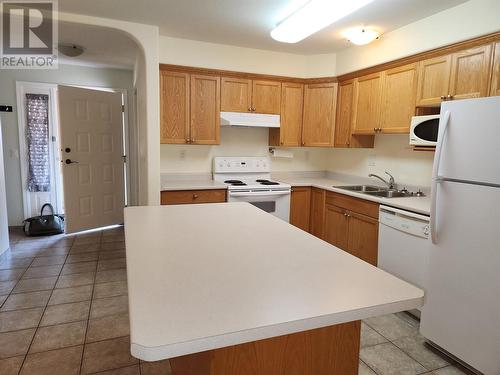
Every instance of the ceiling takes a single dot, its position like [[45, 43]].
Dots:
[[247, 23], [104, 47]]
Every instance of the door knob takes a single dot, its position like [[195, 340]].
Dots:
[[67, 149], [69, 161]]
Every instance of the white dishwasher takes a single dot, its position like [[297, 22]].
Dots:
[[403, 247]]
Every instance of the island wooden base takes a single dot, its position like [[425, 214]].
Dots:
[[331, 350]]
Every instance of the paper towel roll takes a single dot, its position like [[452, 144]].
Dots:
[[281, 153]]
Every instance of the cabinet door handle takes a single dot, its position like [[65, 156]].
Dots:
[[192, 140], [449, 97], [195, 196], [253, 109], [188, 140], [443, 97], [281, 143], [249, 109], [303, 143]]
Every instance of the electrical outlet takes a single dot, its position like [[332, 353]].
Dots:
[[182, 154], [372, 160]]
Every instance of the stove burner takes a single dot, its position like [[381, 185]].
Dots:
[[269, 183], [238, 184], [262, 180], [233, 182]]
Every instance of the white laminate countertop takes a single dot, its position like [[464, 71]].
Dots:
[[207, 276], [421, 205]]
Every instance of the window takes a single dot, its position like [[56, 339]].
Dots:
[[37, 140]]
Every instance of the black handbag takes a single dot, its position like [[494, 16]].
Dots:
[[44, 225]]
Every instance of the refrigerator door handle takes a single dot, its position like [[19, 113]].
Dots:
[[435, 178]]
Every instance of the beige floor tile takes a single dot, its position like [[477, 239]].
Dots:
[[88, 240], [2, 299], [33, 285], [76, 279], [391, 327], [387, 359], [108, 327], [68, 312], [109, 306], [68, 295], [365, 370], [7, 286], [113, 246], [15, 343], [48, 260], [450, 370], [59, 336], [129, 370], [26, 300], [112, 289], [415, 347], [11, 366], [107, 355], [20, 319], [65, 361], [370, 337], [82, 257], [13, 274], [54, 251], [11, 263], [45, 271], [111, 275], [113, 238], [156, 368], [112, 254], [82, 267], [111, 264]]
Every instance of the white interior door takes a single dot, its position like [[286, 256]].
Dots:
[[4, 225], [91, 126]]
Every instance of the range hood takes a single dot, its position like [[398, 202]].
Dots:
[[253, 120]]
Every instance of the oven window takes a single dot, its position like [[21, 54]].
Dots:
[[428, 130], [265, 206]]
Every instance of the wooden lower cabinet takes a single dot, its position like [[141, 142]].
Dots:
[[300, 207], [351, 224], [317, 217], [193, 196]]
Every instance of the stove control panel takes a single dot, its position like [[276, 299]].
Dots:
[[260, 164]]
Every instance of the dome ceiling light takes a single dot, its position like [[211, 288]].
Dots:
[[71, 50], [361, 35], [312, 17]]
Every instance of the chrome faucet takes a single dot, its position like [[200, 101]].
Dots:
[[391, 184]]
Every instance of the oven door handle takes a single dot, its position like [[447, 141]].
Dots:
[[258, 193]]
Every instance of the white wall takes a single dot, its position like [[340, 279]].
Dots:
[[4, 225], [465, 21], [66, 74], [238, 142], [391, 153]]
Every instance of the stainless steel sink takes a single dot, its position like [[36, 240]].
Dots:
[[389, 194], [376, 191], [361, 188]]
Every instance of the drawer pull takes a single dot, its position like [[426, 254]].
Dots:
[[195, 196]]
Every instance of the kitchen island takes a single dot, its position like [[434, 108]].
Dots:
[[228, 289]]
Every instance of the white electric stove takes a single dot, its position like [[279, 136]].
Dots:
[[248, 179]]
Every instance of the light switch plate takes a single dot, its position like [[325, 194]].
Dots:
[[372, 160]]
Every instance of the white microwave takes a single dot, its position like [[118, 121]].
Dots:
[[424, 130]]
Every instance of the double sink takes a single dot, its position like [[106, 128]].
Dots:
[[377, 191]]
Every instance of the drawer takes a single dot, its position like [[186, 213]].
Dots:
[[193, 196], [357, 205]]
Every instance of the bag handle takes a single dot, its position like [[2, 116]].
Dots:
[[47, 205]]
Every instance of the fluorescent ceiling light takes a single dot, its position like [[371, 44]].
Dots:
[[314, 16], [361, 36]]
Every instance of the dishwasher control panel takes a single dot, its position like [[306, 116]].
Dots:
[[408, 222]]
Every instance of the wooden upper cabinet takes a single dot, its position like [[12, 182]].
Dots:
[[319, 114], [266, 97], [292, 104], [433, 80], [398, 99], [236, 95], [343, 121], [174, 107], [205, 109], [495, 78], [470, 72], [300, 207], [366, 104]]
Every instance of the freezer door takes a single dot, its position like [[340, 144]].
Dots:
[[471, 143], [462, 308]]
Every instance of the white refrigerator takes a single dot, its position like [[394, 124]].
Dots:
[[4, 226], [462, 310]]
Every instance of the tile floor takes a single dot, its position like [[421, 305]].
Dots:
[[64, 306]]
